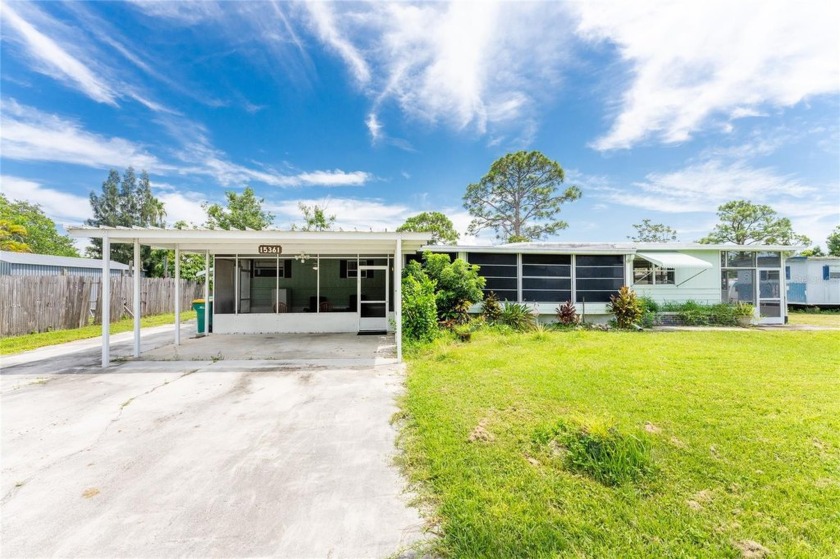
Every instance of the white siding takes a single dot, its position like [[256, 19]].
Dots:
[[690, 284]]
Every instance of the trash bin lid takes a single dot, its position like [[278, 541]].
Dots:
[[197, 301]]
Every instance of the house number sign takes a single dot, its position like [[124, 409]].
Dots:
[[270, 249]]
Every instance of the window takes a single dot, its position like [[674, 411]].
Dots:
[[646, 273], [737, 259], [738, 286], [349, 269], [546, 278], [272, 268], [769, 259], [597, 277], [500, 272]]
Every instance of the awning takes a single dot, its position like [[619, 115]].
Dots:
[[674, 260]]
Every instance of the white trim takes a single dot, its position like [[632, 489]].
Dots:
[[177, 295], [105, 298], [398, 259], [137, 274]]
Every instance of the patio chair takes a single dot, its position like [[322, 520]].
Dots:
[[325, 306], [281, 307]]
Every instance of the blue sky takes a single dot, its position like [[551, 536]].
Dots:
[[660, 110]]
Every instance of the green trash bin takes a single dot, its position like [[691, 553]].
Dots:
[[201, 311]]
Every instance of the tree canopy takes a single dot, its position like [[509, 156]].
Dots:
[[243, 211], [833, 242], [745, 223], [39, 233], [315, 218], [441, 227], [518, 198], [13, 237], [125, 202], [647, 232]]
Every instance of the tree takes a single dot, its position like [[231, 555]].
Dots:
[[745, 223], [813, 251], [441, 227], [42, 237], [315, 219], [833, 242], [647, 232], [125, 203], [243, 211], [191, 264], [518, 197], [13, 237]]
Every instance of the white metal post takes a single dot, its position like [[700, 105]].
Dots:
[[206, 292], [137, 273], [105, 300], [177, 295], [398, 297]]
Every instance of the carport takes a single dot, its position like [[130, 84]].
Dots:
[[276, 282]]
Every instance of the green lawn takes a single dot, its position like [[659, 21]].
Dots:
[[743, 430], [16, 344], [831, 319]]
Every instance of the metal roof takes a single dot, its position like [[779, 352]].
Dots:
[[59, 261], [221, 241], [604, 247]]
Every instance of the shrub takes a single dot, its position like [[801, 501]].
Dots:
[[600, 451], [625, 307], [419, 311], [567, 314], [457, 285], [491, 309], [463, 332], [517, 316], [648, 305]]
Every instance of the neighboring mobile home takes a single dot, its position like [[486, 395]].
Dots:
[[813, 281], [545, 274], [28, 264]]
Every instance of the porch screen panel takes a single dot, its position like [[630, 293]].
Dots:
[[500, 272], [546, 278], [224, 284], [597, 277]]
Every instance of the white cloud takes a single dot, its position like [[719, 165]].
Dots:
[[54, 61], [182, 205], [693, 61], [327, 30], [703, 187], [31, 135], [351, 213], [61, 207], [471, 66]]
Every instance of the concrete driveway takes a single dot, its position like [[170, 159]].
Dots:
[[211, 459]]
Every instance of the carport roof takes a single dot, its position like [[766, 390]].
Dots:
[[220, 241]]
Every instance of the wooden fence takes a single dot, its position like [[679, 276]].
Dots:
[[40, 303]]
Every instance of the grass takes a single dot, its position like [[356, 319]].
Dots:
[[17, 344], [718, 439], [831, 319]]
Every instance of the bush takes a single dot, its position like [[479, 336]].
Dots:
[[491, 309], [625, 307], [463, 332], [599, 451], [419, 311], [457, 285], [692, 313], [567, 314], [517, 316], [648, 305]]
